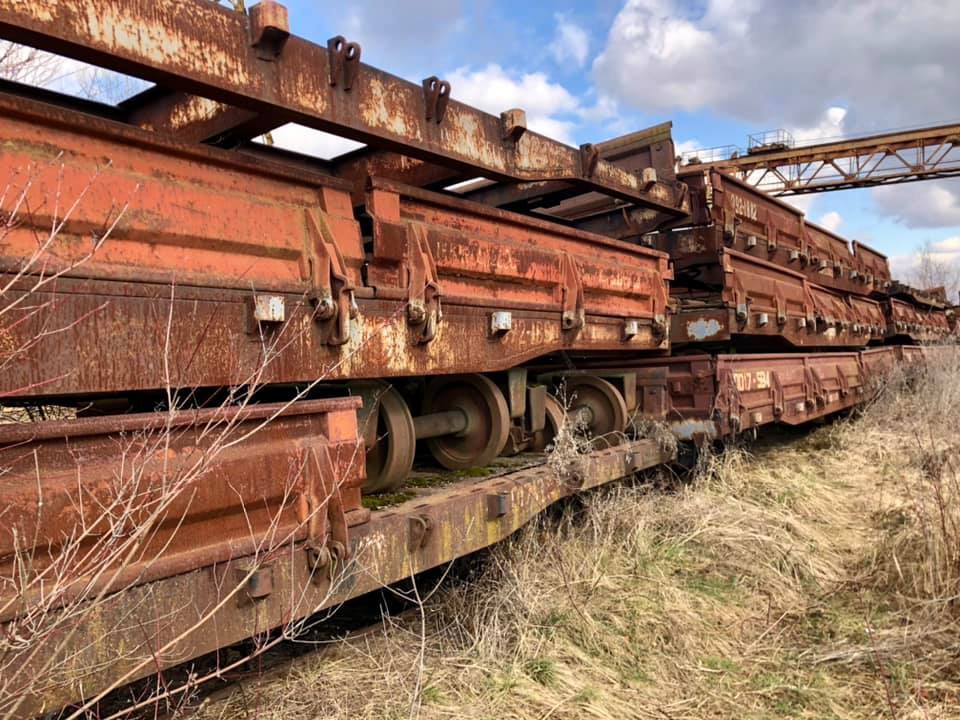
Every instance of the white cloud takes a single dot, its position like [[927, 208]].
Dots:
[[570, 42], [831, 220], [804, 203], [687, 146], [929, 204], [830, 125], [780, 63], [932, 264], [949, 245], [551, 109]]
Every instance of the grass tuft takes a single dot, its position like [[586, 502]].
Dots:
[[815, 575]]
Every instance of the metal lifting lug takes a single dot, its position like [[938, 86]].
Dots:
[[333, 294], [269, 29], [436, 95], [419, 531], [344, 62], [589, 157], [514, 124]]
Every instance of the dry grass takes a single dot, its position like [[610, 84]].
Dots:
[[817, 577]]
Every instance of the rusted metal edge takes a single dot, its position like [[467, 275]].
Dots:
[[41, 110], [629, 143], [395, 544], [208, 50], [505, 216], [11, 433]]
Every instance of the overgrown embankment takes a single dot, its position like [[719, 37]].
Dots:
[[815, 574]]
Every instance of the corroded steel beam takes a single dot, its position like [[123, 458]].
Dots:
[[249, 62], [192, 118], [637, 152]]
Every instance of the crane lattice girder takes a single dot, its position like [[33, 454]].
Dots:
[[884, 159]]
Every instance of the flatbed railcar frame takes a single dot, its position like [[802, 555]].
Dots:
[[243, 341]]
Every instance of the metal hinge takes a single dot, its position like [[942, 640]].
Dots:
[[328, 544], [332, 294], [572, 311], [423, 286]]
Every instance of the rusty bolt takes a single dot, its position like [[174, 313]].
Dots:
[[416, 312], [326, 308]]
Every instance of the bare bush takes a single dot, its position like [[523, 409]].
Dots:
[[55, 588]]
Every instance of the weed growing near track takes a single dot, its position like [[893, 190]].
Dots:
[[815, 575]]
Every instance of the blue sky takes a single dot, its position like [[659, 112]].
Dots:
[[719, 69]]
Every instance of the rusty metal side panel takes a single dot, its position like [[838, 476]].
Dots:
[[879, 361], [96, 505], [830, 254], [873, 262], [751, 221], [184, 616], [490, 257], [105, 337], [917, 324], [763, 299], [793, 389], [168, 297], [869, 315], [741, 218], [120, 204]]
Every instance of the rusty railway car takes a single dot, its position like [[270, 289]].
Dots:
[[211, 350]]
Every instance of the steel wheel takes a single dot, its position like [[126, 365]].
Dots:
[[554, 421], [488, 420], [596, 406], [389, 438]]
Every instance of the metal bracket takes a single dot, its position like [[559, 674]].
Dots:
[[843, 381], [514, 124], [269, 29], [321, 508], [420, 527], [332, 293], [499, 504], [589, 157], [423, 286], [436, 95], [573, 313], [344, 62], [256, 583]]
